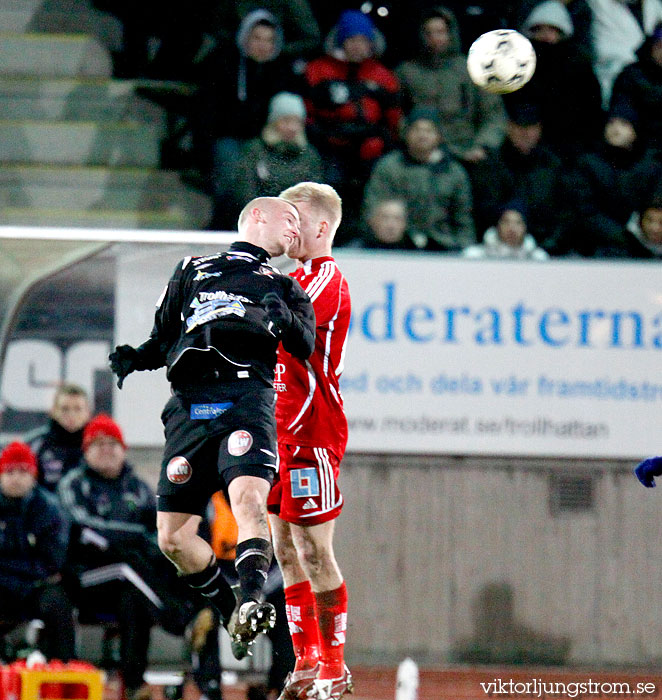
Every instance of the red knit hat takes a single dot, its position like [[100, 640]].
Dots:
[[102, 426], [18, 455]]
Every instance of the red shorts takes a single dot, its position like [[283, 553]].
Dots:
[[306, 490]]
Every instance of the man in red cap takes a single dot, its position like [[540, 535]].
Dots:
[[114, 518], [33, 546]]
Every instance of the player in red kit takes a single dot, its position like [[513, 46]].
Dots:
[[312, 435]]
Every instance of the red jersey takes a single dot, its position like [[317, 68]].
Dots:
[[309, 410]]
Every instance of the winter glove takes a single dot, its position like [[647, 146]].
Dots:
[[646, 470], [277, 311], [123, 361]]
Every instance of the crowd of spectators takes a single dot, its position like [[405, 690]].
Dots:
[[301, 89]]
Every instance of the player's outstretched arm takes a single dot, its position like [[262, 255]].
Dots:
[[647, 470], [296, 325]]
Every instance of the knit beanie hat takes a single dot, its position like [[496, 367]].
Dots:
[[18, 455], [102, 426], [551, 12], [351, 23], [424, 112], [286, 104]]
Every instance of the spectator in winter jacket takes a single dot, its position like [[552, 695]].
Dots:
[[387, 227], [640, 87], [33, 544], [300, 29], [58, 443], [619, 29], [509, 239], [472, 120], [433, 184], [236, 85], [563, 87], [113, 551], [612, 182], [280, 157], [353, 105], [522, 168], [644, 231], [582, 22]]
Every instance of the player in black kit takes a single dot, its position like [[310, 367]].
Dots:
[[217, 328]]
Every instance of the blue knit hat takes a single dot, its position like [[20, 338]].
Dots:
[[351, 23]]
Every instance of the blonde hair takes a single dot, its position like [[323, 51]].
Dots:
[[322, 197]]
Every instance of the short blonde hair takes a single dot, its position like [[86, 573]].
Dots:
[[321, 197]]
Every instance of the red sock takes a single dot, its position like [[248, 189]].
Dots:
[[332, 615], [302, 621]]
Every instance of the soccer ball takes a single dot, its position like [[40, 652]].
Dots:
[[501, 61]]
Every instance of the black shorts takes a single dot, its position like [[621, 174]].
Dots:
[[212, 436]]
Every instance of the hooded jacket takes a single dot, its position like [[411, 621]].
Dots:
[[493, 247], [469, 116], [236, 90], [564, 87]]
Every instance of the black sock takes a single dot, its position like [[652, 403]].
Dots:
[[252, 563], [211, 583]]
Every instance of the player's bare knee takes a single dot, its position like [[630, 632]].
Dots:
[[170, 543], [249, 504], [314, 559]]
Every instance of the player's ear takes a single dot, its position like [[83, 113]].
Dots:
[[258, 215], [323, 228]]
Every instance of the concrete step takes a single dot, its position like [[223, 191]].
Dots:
[[79, 143], [93, 189], [79, 99], [170, 220], [53, 55], [61, 17]]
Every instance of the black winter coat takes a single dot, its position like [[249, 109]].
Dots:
[[34, 534]]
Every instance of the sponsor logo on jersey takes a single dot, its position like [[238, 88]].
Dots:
[[239, 443], [279, 384], [220, 294], [207, 258], [179, 471], [206, 311], [266, 270], [208, 411], [200, 275], [309, 504]]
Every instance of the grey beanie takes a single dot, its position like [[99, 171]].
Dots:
[[286, 104], [552, 12]]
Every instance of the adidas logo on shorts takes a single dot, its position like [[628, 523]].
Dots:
[[309, 504]]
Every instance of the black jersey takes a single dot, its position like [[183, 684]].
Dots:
[[210, 320]]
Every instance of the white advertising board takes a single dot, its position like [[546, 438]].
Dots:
[[452, 356], [503, 358]]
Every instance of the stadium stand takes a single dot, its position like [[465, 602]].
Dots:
[[78, 147]]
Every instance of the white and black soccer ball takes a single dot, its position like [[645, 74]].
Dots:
[[501, 61]]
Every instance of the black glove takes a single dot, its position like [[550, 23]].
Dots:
[[123, 361], [648, 469], [277, 311]]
